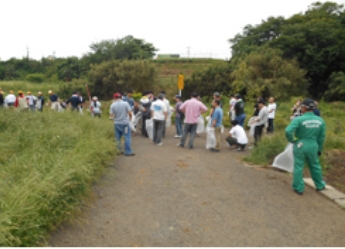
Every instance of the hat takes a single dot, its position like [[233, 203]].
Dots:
[[117, 95], [94, 98], [237, 95], [28, 92], [39, 92], [216, 94], [178, 96], [50, 91], [20, 92], [11, 91], [309, 104]]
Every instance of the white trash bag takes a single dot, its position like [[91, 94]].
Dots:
[[285, 159], [168, 121], [252, 126], [200, 128], [149, 128], [211, 138]]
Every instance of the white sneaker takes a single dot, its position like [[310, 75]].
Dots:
[[160, 144], [177, 136]]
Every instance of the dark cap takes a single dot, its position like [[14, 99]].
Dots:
[[216, 94], [309, 104], [261, 101], [178, 97], [237, 95]]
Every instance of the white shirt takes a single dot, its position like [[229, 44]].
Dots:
[[10, 98], [96, 109], [273, 107], [31, 99], [232, 103], [159, 107], [239, 133]]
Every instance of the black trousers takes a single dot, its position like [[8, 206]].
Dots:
[[258, 133], [143, 126], [270, 125]]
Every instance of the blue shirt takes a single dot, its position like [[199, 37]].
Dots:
[[53, 98], [217, 115], [130, 101]]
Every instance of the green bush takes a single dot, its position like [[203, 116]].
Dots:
[[35, 78], [47, 170]]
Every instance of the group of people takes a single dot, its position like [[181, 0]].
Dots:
[[28, 101]]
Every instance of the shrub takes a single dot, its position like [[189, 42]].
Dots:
[[35, 78]]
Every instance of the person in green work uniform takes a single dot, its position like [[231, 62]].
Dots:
[[307, 132]]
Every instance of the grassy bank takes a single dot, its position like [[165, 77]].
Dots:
[[272, 145], [48, 162]]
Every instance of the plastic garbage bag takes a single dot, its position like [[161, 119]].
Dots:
[[252, 126], [149, 128], [211, 138], [200, 128], [168, 121], [222, 129], [285, 159]]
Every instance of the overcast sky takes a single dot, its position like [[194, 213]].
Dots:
[[68, 27]]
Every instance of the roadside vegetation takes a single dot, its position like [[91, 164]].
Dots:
[[48, 162]]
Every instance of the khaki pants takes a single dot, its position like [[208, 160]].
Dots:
[[218, 139]]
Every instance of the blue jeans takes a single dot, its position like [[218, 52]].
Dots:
[[188, 128], [125, 131], [240, 119], [178, 124]]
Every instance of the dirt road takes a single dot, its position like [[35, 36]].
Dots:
[[171, 196]]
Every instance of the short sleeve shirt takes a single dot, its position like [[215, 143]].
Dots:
[[120, 110]]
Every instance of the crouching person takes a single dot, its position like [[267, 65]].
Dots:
[[237, 136]]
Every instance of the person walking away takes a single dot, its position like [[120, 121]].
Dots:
[[159, 114], [239, 110], [40, 102], [216, 96], [128, 98], [237, 136], [31, 101], [21, 102], [2, 99], [316, 110], [75, 101], [122, 114], [54, 101], [179, 116], [271, 115], [232, 103], [145, 105], [10, 99], [192, 109], [95, 107], [307, 133], [216, 123], [260, 121]]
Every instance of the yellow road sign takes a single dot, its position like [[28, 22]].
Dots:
[[180, 82]]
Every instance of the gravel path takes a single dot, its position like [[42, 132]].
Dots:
[[171, 196]]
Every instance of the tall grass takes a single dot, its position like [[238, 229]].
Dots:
[[48, 162], [26, 86]]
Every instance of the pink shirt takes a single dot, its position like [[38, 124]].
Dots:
[[193, 109]]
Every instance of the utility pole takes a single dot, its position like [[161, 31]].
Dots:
[[27, 53], [188, 52]]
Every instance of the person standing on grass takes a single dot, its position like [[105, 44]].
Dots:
[[2, 100], [54, 101], [75, 101], [40, 102], [159, 114], [21, 102], [95, 107], [192, 109], [10, 99], [260, 121], [31, 101], [232, 103], [216, 123], [271, 114], [216, 96], [307, 133], [237, 136], [122, 114], [316, 110], [239, 110], [179, 116]]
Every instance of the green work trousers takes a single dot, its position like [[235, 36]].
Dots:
[[306, 151]]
